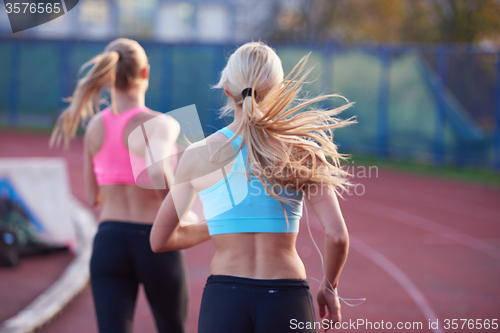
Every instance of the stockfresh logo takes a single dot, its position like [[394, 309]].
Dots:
[[28, 14], [150, 140]]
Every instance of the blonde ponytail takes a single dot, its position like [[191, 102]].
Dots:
[[84, 102], [289, 143], [117, 67]]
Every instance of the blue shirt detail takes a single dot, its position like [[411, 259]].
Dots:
[[234, 205]]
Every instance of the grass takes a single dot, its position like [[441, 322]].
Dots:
[[474, 175]]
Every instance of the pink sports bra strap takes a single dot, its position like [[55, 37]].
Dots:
[[112, 164], [115, 124]]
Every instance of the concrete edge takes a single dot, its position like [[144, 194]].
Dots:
[[76, 277]]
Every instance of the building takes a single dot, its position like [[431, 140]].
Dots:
[[211, 21]]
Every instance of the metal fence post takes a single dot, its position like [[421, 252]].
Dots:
[[442, 62], [14, 84], [166, 60], [383, 104], [65, 85], [216, 97], [327, 73], [496, 139], [114, 17]]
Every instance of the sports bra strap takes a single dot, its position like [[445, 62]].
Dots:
[[229, 134]]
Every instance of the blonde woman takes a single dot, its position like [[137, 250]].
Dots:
[[251, 179], [122, 258]]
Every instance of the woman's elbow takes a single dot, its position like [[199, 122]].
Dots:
[[92, 201], [156, 249], [338, 239], [156, 245]]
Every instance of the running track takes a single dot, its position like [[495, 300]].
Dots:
[[421, 249]]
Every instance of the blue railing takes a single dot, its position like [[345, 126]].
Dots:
[[436, 103]]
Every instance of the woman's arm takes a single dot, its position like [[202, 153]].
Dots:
[[161, 140], [91, 188], [325, 205], [167, 233]]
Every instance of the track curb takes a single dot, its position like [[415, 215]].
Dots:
[[76, 277]]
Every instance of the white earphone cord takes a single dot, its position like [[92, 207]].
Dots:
[[330, 287]]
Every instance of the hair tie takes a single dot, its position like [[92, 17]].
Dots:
[[248, 92]]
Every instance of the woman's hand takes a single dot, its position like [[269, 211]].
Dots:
[[329, 305]]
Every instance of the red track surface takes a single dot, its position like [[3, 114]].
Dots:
[[20, 285], [420, 249]]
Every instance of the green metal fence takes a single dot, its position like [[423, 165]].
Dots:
[[441, 104]]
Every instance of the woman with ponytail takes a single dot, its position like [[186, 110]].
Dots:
[[251, 179], [122, 258]]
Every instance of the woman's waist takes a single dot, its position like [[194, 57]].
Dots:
[[130, 197], [244, 261], [245, 282], [125, 225], [267, 273], [133, 213]]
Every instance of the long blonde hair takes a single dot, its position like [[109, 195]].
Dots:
[[118, 67], [289, 143]]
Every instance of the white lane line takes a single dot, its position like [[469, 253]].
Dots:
[[439, 202], [397, 274], [401, 278], [423, 223], [464, 191]]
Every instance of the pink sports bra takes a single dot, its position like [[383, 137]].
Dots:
[[114, 164]]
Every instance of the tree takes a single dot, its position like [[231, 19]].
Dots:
[[465, 21]]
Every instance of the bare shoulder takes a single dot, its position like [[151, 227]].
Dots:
[[158, 120], [194, 153], [196, 159], [94, 124], [162, 117], [94, 134], [207, 145]]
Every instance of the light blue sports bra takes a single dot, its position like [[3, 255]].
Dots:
[[234, 205]]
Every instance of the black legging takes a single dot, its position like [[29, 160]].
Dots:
[[121, 260], [241, 305]]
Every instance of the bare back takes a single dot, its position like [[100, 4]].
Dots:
[[252, 255], [119, 201]]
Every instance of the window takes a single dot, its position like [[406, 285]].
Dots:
[[175, 21], [213, 23], [136, 18], [94, 18]]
